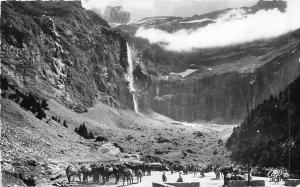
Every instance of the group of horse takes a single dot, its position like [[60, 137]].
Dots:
[[96, 171], [192, 168]]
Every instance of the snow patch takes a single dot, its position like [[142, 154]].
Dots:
[[184, 73], [197, 21]]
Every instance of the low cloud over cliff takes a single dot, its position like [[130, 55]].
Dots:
[[234, 27]]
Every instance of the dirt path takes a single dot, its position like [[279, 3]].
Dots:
[[208, 181]]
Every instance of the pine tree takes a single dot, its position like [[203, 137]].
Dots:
[[4, 83], [82, 131], [91, 135], [44, 105], [25, 103]]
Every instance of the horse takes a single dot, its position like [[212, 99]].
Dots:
[[184, 170], [196, 170], [108, 171], [111, 171], [139, 175], [96, 172], [148, 169], [202, 171], [126, 173], [225, 171], [86, 171], [73, 171]]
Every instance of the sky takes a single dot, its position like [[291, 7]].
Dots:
[[149, 8], [231, 28]]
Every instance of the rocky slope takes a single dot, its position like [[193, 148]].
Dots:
[[213, 83], [36, 152], [271, 134], [62, 51]]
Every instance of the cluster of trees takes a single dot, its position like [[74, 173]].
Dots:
[[270, 136], [4, 83], [32, 103], [82, 131], [29, 101], [58, 121]]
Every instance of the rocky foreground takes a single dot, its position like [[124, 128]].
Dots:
[[38, 151]]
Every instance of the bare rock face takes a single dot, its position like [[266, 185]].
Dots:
[[219, 91], [222, 94], [62, 51], [226, 78], [116, 15]]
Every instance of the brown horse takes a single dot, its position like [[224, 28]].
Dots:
[[73, 171]]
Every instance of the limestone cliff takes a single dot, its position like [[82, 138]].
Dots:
[[220, 92], [62, 51]]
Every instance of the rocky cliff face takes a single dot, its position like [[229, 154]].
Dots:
[[220, 92], [225, 95], [224, 79], [62, 51]]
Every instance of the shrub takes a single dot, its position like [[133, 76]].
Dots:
[[220, 141], [215, 152], [198, 134], [101, 139], [65, 124]]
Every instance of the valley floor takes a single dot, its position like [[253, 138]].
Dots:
[[207, 181], [51, 147]]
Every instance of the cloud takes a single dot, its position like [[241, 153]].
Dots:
[[234, 27]]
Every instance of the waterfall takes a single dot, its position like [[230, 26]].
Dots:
[[130, 78], [157, 90]]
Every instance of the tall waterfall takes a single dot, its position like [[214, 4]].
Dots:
[[130, 78]]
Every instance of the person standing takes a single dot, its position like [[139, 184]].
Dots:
[[179, 178], [164, 177], [218, 173]]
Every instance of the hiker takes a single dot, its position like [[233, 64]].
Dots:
[[218, 173], [164, 177], [179, 178]]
